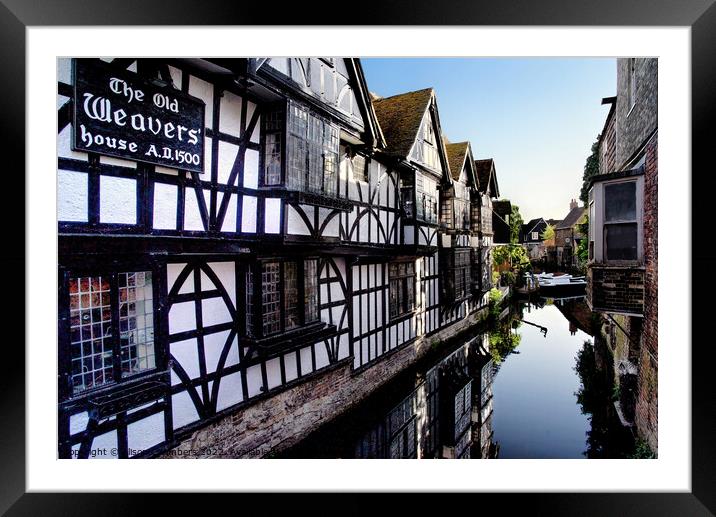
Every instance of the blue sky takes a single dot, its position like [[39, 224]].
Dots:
[[537, 117]]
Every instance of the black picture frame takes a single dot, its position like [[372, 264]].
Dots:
[[700, 15]]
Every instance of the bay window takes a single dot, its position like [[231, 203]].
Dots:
[[312, 148], [457, 275], [615, 225]]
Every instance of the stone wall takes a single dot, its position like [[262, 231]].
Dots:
[[607, 148], [634, 125], [276, 423]]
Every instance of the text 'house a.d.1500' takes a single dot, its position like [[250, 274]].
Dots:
[[232, 230]]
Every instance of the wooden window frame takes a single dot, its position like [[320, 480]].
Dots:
[[256, 310], [65, 385], [401, 281]]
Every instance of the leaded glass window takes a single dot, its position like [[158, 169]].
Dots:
[[311, 289], [359, 168], [136, 322], [290, 295], [111, 328], [270, 298], [312, 146], [401, 288], [273, 128], [287, 295]]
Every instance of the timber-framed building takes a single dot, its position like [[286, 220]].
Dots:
[[249, 246]]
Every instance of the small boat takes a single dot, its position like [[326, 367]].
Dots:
[[564, 284]]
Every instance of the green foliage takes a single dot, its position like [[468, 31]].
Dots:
[[502, 343], [616, 392], [512, 257], [591, 168], [583, 246], [494, 297], [548, 233], [642, 451], [516, 223]]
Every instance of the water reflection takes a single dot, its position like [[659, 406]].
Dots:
[[529, 385]]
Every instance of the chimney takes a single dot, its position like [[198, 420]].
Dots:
[[573, 204]]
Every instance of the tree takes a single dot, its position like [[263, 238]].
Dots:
[[591, 168], [583, 246], [516, 223], [548, 233]]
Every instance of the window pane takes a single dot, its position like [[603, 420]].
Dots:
[[621, 241], [272, 159], [290, 295], [136, 322], [620, 202], [270, 298], [311, 290], [90, 332], [249, 303], [359, 168]]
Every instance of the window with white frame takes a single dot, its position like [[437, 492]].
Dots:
[[616, 220], [535, 236]]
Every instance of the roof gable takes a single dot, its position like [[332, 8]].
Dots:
[[400, 118], [487, 176], [573, 217], [459, 157]]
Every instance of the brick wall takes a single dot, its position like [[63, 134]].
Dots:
[[276, 423], [616, 289], [646, 410]]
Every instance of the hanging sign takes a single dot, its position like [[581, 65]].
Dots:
[[118, 113]]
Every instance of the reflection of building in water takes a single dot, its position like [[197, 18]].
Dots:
[[433, 421], [448, 414], [482, 369]]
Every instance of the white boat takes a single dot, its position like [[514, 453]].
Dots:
[[549, 283]]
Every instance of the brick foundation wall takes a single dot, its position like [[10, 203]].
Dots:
[[276, 423], [646, 409], [616, 289]]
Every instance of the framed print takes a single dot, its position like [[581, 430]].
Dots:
[[441, 242]]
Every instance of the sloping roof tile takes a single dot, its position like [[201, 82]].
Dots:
[[572, 218], [456, 157], [399, 117]]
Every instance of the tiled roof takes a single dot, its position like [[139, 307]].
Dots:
[[482, 171], [572, 218], [456, 157], [399, 117]]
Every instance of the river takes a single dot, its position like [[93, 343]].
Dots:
[[529, 385]]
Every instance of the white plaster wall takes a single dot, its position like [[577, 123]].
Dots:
[[117, 200], [182, 317], [183, 410], [290, 366], [72, 197], [272, 215], [205, 91], [227, 157], [248, 214], [145, 433], [230, 391], [296, 225], [165, 207]]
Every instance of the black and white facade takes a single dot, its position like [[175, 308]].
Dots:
[[230, 228]]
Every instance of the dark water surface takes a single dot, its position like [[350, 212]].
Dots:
[[525, 386]]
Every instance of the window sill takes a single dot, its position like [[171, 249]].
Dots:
[[116, 397], [294, 338], [401, 317], [309, 198]]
